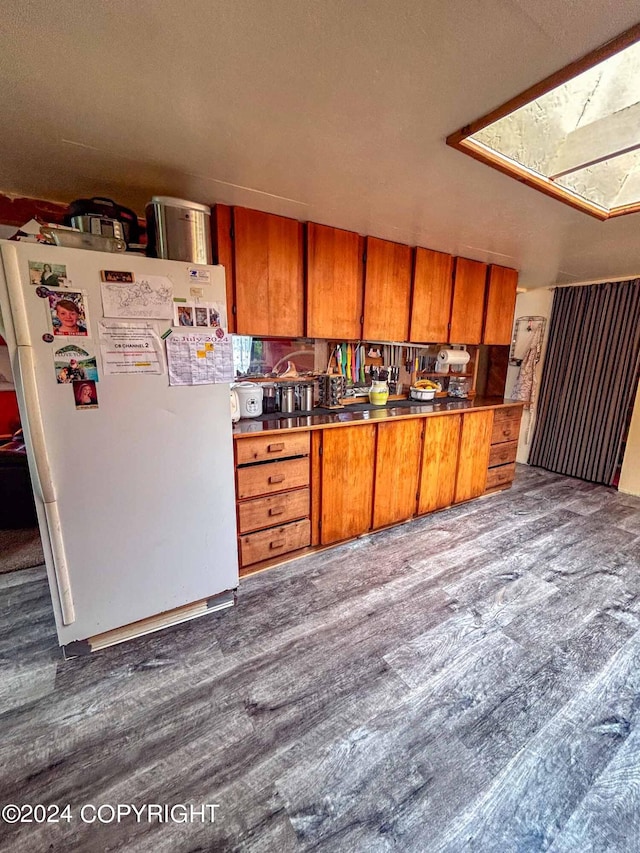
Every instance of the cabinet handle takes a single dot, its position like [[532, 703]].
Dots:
[[277, 543], [276, 478], [276, 510], [274, 448]]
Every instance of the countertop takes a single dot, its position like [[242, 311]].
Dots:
[[323, 418]]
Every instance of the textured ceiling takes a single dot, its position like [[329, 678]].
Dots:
[[328, 110]]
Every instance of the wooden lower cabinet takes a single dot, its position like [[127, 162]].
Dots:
[[266, 544], [397, 468], [274, 509], [302, 489], [504, 448], [262, 479], [273, 496], [439, 463], [347, 470], [473, 459]]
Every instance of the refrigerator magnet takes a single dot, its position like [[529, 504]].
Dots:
[[202, 315], [85, 394], [117, 276], [183, 314], [73, 363], [67, 313], [46, 275]]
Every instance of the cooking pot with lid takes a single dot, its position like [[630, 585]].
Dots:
[[179, 230], [105, 217]]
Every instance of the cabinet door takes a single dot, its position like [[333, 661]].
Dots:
[[467, 309], [348, 455], [439, 462], [473, 459], [502, 283], [432, 290], [387, 291], [268, 261], [397, 468], [222, 244], [334, 283]]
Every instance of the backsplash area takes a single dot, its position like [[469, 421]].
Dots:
[[260, 357]]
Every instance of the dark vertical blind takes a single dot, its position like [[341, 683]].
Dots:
[[589, 379]]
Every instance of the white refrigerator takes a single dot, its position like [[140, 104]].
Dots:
[[133, 476]]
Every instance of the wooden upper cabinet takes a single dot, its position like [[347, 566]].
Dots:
[[467, 310], [502, 283], [347, 463], [269, 287], [439, 462], [432, 290], [222, 245], [334, 283], [387, 291], [473, 458], [397, 469]]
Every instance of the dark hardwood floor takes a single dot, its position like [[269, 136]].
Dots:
[[466, 682]]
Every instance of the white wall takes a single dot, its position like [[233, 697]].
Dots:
[[630, 474], [538, 303]]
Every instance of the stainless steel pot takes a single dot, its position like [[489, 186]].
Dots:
[[178, 230]]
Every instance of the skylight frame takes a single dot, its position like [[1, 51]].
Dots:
[[462, 141]]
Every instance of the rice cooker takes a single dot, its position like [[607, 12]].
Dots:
[[235, 407], [249, 399]]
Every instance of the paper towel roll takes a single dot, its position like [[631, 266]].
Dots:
[[453, 356]]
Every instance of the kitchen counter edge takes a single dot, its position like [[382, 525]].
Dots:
[[342, 417]]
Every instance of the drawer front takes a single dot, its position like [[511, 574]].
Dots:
[[502, 454], [261, 448], [506, 429], [274, 542], [276, 509], [265, 479], [500, 476], [507, 413]]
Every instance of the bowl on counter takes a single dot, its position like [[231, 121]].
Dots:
[[422, 394]]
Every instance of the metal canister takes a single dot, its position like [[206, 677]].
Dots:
[[288, 398], [308, 397]]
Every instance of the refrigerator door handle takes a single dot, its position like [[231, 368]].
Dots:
[[26, 366]]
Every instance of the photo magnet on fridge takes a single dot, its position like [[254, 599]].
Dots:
[[46, 275], [202, 315], [183, 314], [73, 363], [68, 313], [86, 394]]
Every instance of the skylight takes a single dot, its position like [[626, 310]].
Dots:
[[575, 135]]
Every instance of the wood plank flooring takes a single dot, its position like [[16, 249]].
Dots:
[[469, 681]]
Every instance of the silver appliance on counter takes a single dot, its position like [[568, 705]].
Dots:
[[178, 230]]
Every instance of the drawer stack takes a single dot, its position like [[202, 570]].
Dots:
[[504, 447], [272, 489]]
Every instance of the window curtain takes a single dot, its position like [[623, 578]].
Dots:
[[589, 380]]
